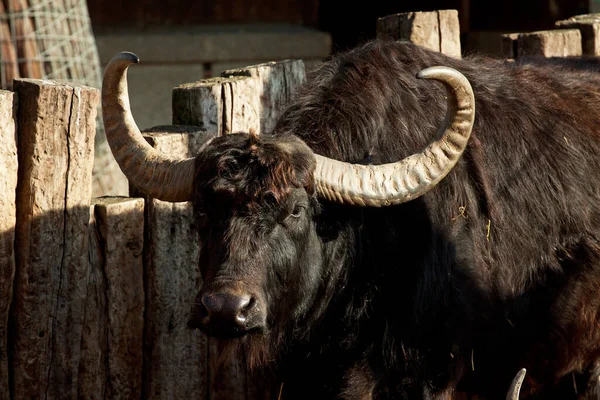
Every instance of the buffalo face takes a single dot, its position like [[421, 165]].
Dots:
[[255, 207]]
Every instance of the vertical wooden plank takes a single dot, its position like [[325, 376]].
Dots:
[[120, 222], [243, 99], [241, 106], [209, 104], [509, 45], [421, 28], [200, 104], [589, 27], [8, 185], [435, 30], [56, 126], [270, 86], [175, 355], [552, 43], [111, 346], [449, 32], [92, 378], [72, 285]]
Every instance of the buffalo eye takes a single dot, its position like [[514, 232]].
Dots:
[[297, 212]]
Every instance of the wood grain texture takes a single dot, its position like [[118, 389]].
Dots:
[[244, 99], [56, 128], [8, 218], [434, 30], [175, 355]]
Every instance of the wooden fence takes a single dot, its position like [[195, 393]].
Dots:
[[96, 294]]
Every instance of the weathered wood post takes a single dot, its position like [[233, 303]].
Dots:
[[270, 86], [589, 28], [435, 30], [175, 356], [8, 185], [112, 345], [551, 43], [241, 99], [56, 128]]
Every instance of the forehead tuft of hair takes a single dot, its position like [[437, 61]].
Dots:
[[250, 168]]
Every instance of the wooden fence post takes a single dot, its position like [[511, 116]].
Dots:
[[435, 30], [201, 103], [551, 43], [510, 47], [92, 374], [239, 100], [175, 356], [111, 360], [589, 28], [271, 85], [56, 128], [8, 185]]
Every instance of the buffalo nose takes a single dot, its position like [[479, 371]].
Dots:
[[228, 309]]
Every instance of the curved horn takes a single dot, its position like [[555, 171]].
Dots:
[[407, 179], [515, 386], [152, 172]]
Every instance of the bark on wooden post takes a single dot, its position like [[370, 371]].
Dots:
[[111, 344], [56, 128], [552, 43], [435, 30], [8, 185], [240, 100], [175, 356], [589, 27]]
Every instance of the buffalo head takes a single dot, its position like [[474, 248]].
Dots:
[[256, 201]]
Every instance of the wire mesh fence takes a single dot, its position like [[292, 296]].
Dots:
[[53, 39]]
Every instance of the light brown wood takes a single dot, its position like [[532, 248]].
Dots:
[[241, 100], [589, 27], [56, 128], [551, 43], [449, 32], [8, 53], [92, 375], [119, 228], [28, 52], [8, 185], [175, 365], [434, 30], [270, 88], [200, 104]]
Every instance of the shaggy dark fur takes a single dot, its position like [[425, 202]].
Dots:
[[495, 269]]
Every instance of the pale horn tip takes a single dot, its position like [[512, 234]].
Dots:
[[125, 57], [515, 386]]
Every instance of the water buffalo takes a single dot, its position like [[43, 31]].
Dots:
[[359, 254]]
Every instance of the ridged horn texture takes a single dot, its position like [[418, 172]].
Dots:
[[407, 179], [515, 387], [154, 173]]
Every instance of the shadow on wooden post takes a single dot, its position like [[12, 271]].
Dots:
[[56, 128], [8, 218]]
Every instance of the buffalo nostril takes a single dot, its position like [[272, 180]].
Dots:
[[246, 309], [228, 308]]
